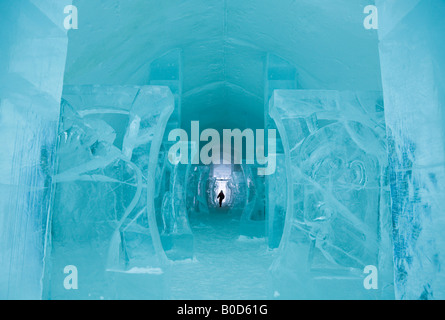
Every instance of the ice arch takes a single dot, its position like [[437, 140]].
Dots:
[[224, 47]]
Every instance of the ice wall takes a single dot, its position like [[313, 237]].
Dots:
[[276, 203], [103, 218], [337, 215], [253, 217], [412, 47], [32, 62], [196, 191], [176, 234], [279, 74]]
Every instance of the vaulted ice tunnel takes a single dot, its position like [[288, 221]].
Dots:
[[143, 96], [223, 61]]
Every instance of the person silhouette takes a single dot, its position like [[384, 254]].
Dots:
[[221, 197]]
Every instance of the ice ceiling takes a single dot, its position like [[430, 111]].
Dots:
[[224, 45]]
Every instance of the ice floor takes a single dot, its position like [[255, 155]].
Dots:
[[226, 266]]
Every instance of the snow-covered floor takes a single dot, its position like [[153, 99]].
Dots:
[[226, 266]]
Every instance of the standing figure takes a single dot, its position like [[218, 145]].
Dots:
[[221, 197]]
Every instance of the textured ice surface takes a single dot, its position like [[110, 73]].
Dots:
[[176, 234], [337, 214], [276, 203], [103, 219], [197, 181], [412, 47], [280, 74], [253, 218], [33, 50]]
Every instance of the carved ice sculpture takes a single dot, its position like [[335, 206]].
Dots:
[[103, 217], [338, 219]]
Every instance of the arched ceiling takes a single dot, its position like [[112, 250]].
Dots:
[[224, 44]]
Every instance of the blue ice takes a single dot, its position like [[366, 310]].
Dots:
[[92, 207]]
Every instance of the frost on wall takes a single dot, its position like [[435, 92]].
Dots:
[[413, 66], [33, 51], [338, 220], [196, 190], [103, 219]]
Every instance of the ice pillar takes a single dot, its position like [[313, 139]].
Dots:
[[412, 47], [177, 234], [280, 74], [32, 63]]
